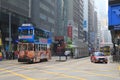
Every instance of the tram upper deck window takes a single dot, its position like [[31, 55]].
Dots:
[[47, 35], [24, 32]]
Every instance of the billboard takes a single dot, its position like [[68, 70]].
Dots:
[[114, 17], [69, 31]]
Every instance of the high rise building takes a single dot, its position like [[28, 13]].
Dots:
[[105, 38], [61, 24], [85, 23], [75, 20], [103, 33], [96, 31], [43, 14], [91, 34], [12, 14]]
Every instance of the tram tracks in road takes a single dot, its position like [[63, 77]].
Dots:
[[14, 69], [47, 70]]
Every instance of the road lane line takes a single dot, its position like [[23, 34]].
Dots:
[[63, 75], [111, 76], [5, 75], [91, 73], [119, 68], [86, 72], [20, 75]]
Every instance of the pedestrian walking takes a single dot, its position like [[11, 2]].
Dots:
[[7, 55], [67, 52], [3, 53], [71, 53], [13, 55]]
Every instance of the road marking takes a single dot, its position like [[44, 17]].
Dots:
[[86, 72], [55, 73], [64, 75], [20, 75], [119, 68], [5, 75], [111, 76]]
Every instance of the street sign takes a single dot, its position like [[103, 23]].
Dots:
[[8, 39]]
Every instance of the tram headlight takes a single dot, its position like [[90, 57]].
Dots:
[[19, 37]]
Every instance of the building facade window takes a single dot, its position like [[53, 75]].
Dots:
[[44, 7], [42, 16], [51, 20]]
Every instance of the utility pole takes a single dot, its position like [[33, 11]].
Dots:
[[10, 39]]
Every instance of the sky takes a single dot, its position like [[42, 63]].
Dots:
[[102, 9], [102, 5]]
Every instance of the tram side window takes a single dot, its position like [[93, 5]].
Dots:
[[20, 32], [20, 47], [36, 47], [36, 33], [39, 46], [42, 46], [47, 35], [45, 47], [30, 46]]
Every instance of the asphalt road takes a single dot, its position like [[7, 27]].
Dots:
[[72, 69]]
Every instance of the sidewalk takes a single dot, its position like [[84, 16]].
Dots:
[[61, 59]]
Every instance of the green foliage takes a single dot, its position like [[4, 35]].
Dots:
[[69, 41]]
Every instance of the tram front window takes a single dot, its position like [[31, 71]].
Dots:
[[22, 47]]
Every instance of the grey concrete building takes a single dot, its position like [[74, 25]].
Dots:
[[12, 14], [96, 30], [75, 19], [91, 30], [85, 23], [43, 14], [62, 18]]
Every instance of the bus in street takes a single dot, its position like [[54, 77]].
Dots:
[[105, 49], [33, 44]]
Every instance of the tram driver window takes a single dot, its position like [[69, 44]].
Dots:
[[24, 47], [31, 31]]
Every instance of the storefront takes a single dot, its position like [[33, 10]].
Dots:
[[15, 21]]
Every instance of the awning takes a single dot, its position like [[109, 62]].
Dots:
[[72, 46]]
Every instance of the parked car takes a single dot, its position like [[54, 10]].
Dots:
[[98, 57]]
